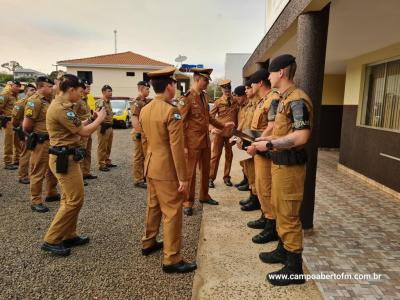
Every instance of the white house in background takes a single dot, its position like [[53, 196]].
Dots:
[[234, 63], [22, 72], [122, 71]]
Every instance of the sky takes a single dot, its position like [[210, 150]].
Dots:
[[39, 33]]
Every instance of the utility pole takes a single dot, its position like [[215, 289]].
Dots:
[[115, 41]]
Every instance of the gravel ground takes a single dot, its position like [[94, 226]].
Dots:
[[111, 266]]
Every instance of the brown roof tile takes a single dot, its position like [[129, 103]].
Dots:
[[124, 58]]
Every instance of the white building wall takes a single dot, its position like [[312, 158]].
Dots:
[[122, 85], [273, 9], [234, 63]]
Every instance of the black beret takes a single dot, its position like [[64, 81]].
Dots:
[[44, 79], [259, 75], [106, 87], [240, 90], [16, 82], [30, 85], [85, 82], [281, 62], [144, 83], [248, 83]]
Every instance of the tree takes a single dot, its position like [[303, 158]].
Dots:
[[11, 65], [5, 77]]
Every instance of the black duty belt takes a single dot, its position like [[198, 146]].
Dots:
[[289, 157]]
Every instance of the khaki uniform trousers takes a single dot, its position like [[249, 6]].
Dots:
[[17, 147], [287, 196], [138, 160], [23, 168], [263, 185], [39, 171], [104, 147], [85, 163], [8, 144], [218, 143], [64, 223], [164, 200], [249, 171], [201, 157]]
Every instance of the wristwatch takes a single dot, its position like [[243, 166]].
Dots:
[[269, 145]]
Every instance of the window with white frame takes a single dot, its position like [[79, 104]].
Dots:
[[381, 101]]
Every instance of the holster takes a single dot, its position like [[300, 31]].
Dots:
[[289, 157], [104, 127], [4, 120], [42, 137], [20, 133], [31, 141], [62, 154]]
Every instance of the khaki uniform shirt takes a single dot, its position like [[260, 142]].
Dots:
[[225, 110], [18, 110], [63, 124], [136, 107], [82, 110], [7, 102], [196, 119], [249, 113], [284, 122], [162, 128], [107, 104], [36, 109], [260, 117]]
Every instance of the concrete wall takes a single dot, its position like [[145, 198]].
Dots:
[[124, 86], [365, 149], [333, 91]]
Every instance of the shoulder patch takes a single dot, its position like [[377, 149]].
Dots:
[[70, 115], [30, 104], [29, 112], [177, 116], [17, 107], [1, 99]]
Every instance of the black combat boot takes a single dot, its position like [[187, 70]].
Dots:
[[278, 256], [268, 234], [259, 223], [253, 204], [243, 182], [247, 200], [291, 273]]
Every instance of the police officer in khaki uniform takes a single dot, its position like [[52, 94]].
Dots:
[[240, 95], [17, 118], [225, 110], [248, 164], [263, 118], [136, 134], [82, 111], [7, 101], [38, 142], [291, 132], [162, 128], [65, 131], [196, 119], [105, 131]]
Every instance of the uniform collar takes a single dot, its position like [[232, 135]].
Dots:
[[288, 91], [64, 101], [161, 98], [41, 96]]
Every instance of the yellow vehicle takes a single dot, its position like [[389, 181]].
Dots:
[[121, 112]]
